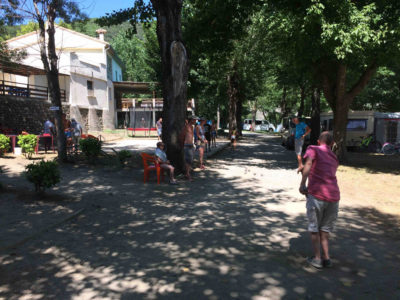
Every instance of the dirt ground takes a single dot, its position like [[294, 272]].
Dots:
[[236, 232]]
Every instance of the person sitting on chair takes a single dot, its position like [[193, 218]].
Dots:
[[161, 157]]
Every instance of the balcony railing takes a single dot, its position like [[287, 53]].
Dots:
[[27, 90]]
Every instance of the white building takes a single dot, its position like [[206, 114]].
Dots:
[[88, 67]]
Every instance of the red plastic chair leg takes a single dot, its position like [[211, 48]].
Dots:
[[158, 175]]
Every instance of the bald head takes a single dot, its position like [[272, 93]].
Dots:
[[326, 138]]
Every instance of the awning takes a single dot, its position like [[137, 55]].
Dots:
[[134, 87]]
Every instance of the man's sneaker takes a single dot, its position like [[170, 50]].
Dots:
[[316, 263], [327, 263]]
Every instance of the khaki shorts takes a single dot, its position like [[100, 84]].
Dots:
[[298, 146], [322, 215]]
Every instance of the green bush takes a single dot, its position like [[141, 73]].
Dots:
[[43, 174], [28, 144], [91, 148], [123, 155], [4, 144]]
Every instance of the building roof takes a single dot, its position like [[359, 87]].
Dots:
[[21, 69], [63, 28]]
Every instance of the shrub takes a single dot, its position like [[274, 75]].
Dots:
[[90, 147], [43, 174], [123, 155], [28, 144], [4, 144]]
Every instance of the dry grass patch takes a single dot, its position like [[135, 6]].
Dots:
[[371, 180]]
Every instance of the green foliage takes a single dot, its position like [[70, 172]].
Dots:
[[4, 144], [26, 28], [132, 52], [43, 174], [142, 12], [123, 155], [28, 144], [381, 94], [91, 148]]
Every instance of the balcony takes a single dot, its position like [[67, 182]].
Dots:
[[9, 88]]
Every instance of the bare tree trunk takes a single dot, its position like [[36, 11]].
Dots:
[[315, 115], [239, 110], [253, 115], [218, 118], [233, 95], [175, 66], [302, 98], [50, 64], [284, 111]]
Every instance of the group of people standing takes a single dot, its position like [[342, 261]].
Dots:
[[197, 135], [72, 129]]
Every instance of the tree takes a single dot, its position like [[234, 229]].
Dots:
[[45, 13], [175, 64], [342, 42], [213, 30], [8, 16]]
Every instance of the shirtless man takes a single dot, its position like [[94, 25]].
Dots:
[[188, 145]]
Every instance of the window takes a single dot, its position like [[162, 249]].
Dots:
[[109, 68], [324, 125], [357, 125], [330, 125], [90, 88]]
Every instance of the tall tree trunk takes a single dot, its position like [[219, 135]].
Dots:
[[239, 110], [340, 100], [50, 64], [302, 98], [253, 115], [315, 115], [233, 95], [283, 105], [175, 66], [218, 118]]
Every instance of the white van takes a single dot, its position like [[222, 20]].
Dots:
[[261, 125]]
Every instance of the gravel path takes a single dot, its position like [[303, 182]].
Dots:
[[236, 232]]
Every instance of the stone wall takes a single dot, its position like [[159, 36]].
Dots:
[[24, 114]]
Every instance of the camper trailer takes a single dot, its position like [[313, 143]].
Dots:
[[384, 126]]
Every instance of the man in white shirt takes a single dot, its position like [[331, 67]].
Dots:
[[161, 157]]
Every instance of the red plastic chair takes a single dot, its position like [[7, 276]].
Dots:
[[150, 163]]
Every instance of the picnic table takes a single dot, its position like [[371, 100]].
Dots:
[[44, 135]]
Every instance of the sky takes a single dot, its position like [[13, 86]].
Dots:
[[98, 8]]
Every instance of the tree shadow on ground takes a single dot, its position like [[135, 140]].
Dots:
[[210, 239]]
